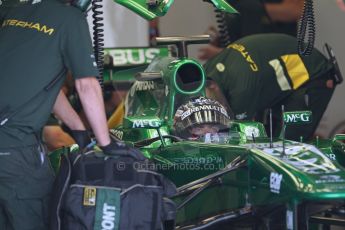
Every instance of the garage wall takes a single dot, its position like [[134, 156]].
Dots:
[[330, 28], [122, 27], [188, 17]]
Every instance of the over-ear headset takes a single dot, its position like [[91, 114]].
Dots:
[[80, 4]]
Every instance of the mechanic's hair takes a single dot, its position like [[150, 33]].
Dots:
[[213, 91]]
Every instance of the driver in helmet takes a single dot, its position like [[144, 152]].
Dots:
[[200, 117]]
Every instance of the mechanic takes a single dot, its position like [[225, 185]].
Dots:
[[39, 40], [200, 116], [265, 71], [255, 16]]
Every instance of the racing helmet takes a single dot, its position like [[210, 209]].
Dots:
[[198, 112]]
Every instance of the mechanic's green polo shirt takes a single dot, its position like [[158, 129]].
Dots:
[[36, 42], [253, 19], [260, 70]]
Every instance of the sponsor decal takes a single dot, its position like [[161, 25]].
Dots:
[[330, 179], [166, 90], [240, 48], [297, 117], [289, 219], [89, 196], [251, 131], [142, 86], [30, 25], [117, 133], [135, 56], [146, 123], [35, 2], [108, 218], [241, 116], [275, 182], [220, 67], [331, 156], [199, 160], [304, 157], [203, 108]]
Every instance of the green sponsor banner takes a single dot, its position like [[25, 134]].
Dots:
[[122, 57], [299, 117], [107, 209]]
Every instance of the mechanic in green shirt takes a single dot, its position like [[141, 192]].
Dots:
[[39, 40], [265, 71]]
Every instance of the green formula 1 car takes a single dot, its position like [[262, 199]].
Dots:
[[241, 178]]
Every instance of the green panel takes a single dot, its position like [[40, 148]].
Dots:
[[141, 7], [188, 161], [333, 149], [224, 5], [158, 8], [249, 130]]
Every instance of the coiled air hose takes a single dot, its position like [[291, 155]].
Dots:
[[98, 37], [222, 26], [306, 24], [223, 29]]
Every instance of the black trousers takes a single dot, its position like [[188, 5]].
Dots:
[[26, 180], [314, 97]]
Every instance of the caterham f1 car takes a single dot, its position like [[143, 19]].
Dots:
[[238, 178]]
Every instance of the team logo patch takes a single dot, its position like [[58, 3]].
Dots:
[[220, 67], [89, 196]]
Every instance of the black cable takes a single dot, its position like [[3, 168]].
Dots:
[[98, 37], [306, 25], [222, 26], [223, 29]]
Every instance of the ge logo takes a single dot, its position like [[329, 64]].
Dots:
[[251, 131], [275, 182]]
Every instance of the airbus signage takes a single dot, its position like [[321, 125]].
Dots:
[[134, 56]]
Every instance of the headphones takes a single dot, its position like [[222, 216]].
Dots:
[[80, 4]]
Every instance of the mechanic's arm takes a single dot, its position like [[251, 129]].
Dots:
[[208, 52], [286, 11], [65, 112], [90, 94]]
